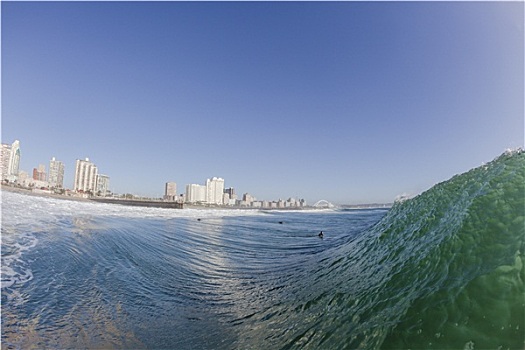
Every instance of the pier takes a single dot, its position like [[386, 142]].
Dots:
[[140, 203]]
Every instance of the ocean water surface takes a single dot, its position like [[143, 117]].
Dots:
[[441, 270]]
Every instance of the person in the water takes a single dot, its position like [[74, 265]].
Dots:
[[321, 235]]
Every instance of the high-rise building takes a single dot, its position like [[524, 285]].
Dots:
[[195, 193], [14, 161], [102, 185], [6, 155], [170, 191], [229, 196], [230, 191], [248, 198], [56, 173], [23, 178], [85, 176], [214, 190], [10, 161], [39, 173]]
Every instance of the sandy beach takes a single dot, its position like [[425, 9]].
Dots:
[[42, 194]]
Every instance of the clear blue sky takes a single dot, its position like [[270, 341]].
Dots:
[[346, 101]]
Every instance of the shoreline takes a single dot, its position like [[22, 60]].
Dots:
[[27, 192], [140, 203], [174, 205], [103, 200]]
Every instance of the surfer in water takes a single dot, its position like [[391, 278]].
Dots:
[[321, 235]]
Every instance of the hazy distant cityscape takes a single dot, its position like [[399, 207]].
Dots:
[[88, 183]]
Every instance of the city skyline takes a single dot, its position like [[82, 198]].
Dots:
[[88, 180], [350, 102]]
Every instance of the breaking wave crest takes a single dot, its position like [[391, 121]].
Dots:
[[441, 270]]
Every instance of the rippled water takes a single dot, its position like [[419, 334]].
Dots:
[[442, 270], [94, 275]]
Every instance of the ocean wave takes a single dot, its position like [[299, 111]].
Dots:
[[14, 269], [443, 269], [462, 245]]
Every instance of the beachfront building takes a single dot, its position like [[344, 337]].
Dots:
[[256, 204], [231, 192], [14, 162], [35, 184], [85, 176], [10, 161], [39, 174], [102, 185], [23, 178], [56, 173], [248, 198], [229, 197], [195, 193], [6, 155], [214, 190], [170, 191], [226, 199]]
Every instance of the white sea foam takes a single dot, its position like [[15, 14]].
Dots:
[[403, 197], [511, 151], [24, 216], [14, 270], [23, 208]]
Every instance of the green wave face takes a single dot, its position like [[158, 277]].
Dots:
[[457, 252], [443, 270]]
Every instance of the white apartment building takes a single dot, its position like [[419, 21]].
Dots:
[[6, 155], [170, 191], [23, 178], [14, 161], [214, 190], [10, 161], [226, 198], [102, 185], [195, 193], [85, 176], [248, 198], [56, 173]]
